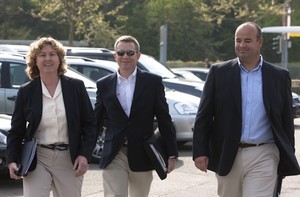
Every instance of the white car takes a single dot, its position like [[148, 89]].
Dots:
[[186, 75], [4, 127], [201, 73]]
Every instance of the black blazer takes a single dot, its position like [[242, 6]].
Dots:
[[28, 111], [219, 119], [148, 101]]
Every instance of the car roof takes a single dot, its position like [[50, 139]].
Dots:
[[12, 56], [87, 49], [107, 64], [91, 52], [192, 68], [16, 48]]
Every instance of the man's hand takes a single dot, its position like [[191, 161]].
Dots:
[[80, 166], [201, 163]]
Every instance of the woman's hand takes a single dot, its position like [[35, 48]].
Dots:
[[80, 166], [13, 169]]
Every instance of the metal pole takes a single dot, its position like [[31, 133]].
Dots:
[[286, 21], [163, 44], [284, 54]]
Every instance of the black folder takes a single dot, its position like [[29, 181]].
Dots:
[[27, 155], [155, 149]]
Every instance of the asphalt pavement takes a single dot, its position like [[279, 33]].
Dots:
[[184, 181], [187, 181]]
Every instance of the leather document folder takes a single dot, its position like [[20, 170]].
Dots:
[[27, 155], [156, 152]]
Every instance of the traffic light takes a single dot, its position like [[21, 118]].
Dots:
[[277, 44]]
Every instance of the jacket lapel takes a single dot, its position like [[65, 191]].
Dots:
[[266, 86], [112, 91], [138, 87], [36, 97], [236, 86], [67, 91]]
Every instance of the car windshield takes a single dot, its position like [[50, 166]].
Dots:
[[156, 67]]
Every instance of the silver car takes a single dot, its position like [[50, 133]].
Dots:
[[201, 73]]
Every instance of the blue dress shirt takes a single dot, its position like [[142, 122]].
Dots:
[[256, 127]]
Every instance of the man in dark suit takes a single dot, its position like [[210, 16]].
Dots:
[[127, 102], [244, 128]]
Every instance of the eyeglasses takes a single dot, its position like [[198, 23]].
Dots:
[[128, 53]]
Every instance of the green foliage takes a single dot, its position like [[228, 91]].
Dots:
[[82, 18], [197, 29], [185, 30]]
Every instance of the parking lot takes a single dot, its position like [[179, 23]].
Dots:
[[185, 181]]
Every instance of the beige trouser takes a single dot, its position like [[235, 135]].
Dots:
[[54, 172], [117, 177], [253, 173]]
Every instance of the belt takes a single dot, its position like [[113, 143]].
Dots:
[[60, 147], [246, 145]]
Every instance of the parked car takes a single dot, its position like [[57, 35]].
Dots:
[[4, 128], [201, 73], [94, 53], [14, 48], [146, 62], [12, 75], [296, 105], [182, 107], [184, 74]]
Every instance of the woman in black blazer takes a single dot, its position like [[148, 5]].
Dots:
[[56, 111]]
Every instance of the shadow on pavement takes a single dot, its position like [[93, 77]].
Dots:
[[8, 184], [185, 150]]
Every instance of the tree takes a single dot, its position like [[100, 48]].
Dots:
[[80, 16], [186, 34], [10, 27], [226, 15]]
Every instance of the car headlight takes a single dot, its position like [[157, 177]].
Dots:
[[185, 109], [2, 138]]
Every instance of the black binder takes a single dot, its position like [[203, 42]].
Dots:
[[155, 149], [27, 155]]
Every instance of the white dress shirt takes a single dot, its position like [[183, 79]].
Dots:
[[53, 126], [125, 89]]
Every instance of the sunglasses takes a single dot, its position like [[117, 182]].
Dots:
[[128, 53]]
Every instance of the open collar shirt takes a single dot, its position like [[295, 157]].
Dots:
[[53, 125], [125, 89], [256, 127]]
